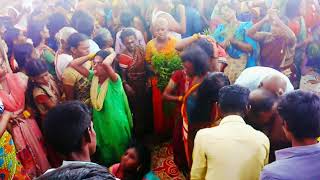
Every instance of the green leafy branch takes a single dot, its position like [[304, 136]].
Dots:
[[164, 66]]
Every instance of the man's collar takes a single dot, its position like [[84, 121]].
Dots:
[[232, 118], [297, 151], [65, 163]]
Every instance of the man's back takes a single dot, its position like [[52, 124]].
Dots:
[[232, 150], [252, 77]]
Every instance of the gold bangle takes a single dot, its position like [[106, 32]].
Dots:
[[91, 56], [196, 36]]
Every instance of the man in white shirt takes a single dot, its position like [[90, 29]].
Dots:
[[232, 150], [253, 78]]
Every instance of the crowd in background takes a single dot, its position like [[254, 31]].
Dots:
[[233, 84]]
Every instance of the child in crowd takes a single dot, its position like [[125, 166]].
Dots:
[[135, 164]]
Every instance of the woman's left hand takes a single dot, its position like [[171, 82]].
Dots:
[[16, 121], [109, 60]]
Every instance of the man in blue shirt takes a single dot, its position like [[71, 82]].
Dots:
[[300, 112]]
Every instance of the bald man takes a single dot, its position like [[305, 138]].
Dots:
[[274, 83], [261, 111], [264, 117], [265, 77]]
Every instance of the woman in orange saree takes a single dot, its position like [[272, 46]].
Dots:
[[163, 44]]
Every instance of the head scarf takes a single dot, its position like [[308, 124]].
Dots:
[[64, 33]]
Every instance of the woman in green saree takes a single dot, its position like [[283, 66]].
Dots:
[[39, 34], [112, 117]]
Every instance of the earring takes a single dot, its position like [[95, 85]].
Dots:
[[139, 167]]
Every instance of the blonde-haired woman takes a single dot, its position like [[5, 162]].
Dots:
[[164, 45], [63, 57]]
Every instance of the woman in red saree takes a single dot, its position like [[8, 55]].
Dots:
[[179, 84], [26, 133], [196, 63], [134, 77]]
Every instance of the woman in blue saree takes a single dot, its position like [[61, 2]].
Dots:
[[242, 51]]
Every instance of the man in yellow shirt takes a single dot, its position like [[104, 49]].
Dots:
[[232, 150]]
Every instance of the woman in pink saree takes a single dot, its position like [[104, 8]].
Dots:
[[25, 131]]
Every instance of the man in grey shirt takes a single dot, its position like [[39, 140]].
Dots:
[[300, 112]]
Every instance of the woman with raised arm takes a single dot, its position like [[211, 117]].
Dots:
[[242, 51], [6, 141], [112, 117], [277, 46], [162, 10], [26, 134]]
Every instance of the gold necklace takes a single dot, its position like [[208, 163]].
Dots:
[[97, 99]]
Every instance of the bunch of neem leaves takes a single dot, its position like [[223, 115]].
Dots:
[[164, 66]]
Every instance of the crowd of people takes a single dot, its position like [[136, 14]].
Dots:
[[234, 85]]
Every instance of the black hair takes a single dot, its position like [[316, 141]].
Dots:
[[77, 15], [103, 54], [292, 8], [75, 39], [6, 21], [144, 160], [34, 30], [126, 18], [301, 111], [264, 103], [206, 46], [83, 23], [36, 67], [89, 171], [101, 38], [56, 22], [234, 99], [21, 53], [65, 4], [65, 125], [198, 58], [207, 95], [127, 33], [10, 35]]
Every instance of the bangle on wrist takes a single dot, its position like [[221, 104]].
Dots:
[[196, 37]]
